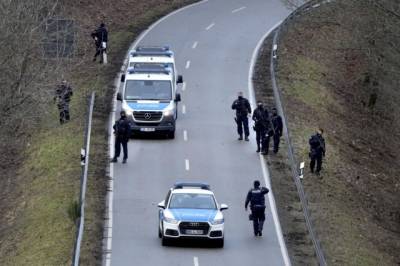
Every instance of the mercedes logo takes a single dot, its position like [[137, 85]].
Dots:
[[147, 116]]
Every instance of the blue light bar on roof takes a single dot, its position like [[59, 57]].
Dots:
[[180, 185], [152, 51]]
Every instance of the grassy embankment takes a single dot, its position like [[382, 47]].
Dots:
[[338, 69], [43, 230]]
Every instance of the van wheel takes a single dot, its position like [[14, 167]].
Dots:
[[171, 135]]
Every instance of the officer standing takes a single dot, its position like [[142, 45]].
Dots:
[[260, 117], [317, 150], [62, 97], [256, 199], [122, 132], [100, 36], [243, 109], [277, 128]]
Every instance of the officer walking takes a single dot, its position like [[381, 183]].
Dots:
[[256, 199], [260, 117], [243, 109], [317, 150], [62, 97], [277, 128], [122, 132], [100, 36]]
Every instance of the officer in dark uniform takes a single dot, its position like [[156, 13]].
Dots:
[[243, 109], [62, 97], [277, 125], [260, 117], [122, 132], [100, 36], [256, 199], [317, 150]]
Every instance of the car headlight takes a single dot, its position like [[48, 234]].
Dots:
[[170, 220], [168, 112], [217, 221], [127, 109]]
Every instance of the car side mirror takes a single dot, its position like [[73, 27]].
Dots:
[[179, 80], [123, 78], [119, 97], [161, 205], [178, 97], [223, 207]]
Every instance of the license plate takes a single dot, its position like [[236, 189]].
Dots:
[[194, 232], [147, 129]]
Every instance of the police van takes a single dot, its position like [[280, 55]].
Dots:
[[149, 98]]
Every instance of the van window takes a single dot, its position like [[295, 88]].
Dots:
[[148, 90]]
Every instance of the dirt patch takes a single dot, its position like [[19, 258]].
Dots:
[[290, 213], [338, 69]]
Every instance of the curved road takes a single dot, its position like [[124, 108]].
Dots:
[[213, 43]]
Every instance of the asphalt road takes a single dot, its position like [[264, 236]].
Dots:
[[213, 44]]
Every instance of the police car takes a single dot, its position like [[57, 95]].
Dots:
[[190, 210], [149, 98]]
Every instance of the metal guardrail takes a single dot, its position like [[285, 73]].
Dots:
[[277, 94], [82, 195]]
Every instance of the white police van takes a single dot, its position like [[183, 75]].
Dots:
[[149, 97], [190, 210]]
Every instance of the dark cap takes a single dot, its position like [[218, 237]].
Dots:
[[122, 113], [256, 184], [102, 24]]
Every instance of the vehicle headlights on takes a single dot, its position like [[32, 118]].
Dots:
[[170, 220], [217, 221], [127, 109], [169, 111]]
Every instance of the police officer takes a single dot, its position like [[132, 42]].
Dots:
[[277, 125], [317, 150], [260, 117], [62, 97], [100, 36], [122, 132], [243, 109], [256, 199]]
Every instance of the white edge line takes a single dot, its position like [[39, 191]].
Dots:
[[265, 171], [196, 261], [110, 197], [210, 26], [238, 9]]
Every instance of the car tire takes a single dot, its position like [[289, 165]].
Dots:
[[171, 135], [164, 241], [159, 232], [219, 243]]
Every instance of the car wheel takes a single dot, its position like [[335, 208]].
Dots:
[[219, 243], [159, 232], [164, 241]]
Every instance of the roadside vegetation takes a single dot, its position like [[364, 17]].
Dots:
[[39, 166], [338, 68]]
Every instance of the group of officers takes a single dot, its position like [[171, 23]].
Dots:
[[268, 126]]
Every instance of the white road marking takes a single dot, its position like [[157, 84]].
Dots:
[[187, 166], [265, 171], [187, 64], [194, 45], [238, 9], [185, 136], [183, 109], [196, 261], [110, 199], [183, 86], [210, 26]]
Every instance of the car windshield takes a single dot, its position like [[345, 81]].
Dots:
[[148, 90], [192, 201]]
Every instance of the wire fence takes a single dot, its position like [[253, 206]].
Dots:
[[82, 195], [302, 10]]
